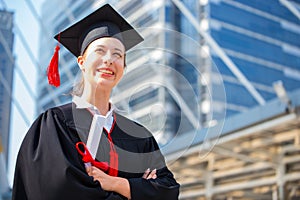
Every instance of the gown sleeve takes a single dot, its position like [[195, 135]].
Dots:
[[48, 166], [161, 188]]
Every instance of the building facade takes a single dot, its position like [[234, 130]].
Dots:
[[6, 81], [6, 75], [256, 156], [261, 40], [201, 60]]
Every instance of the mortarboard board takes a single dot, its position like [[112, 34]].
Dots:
[[104, 22]]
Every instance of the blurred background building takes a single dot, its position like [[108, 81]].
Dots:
[[6, 80], [208, 82], [195, 52]]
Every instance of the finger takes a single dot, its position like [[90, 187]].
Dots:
[[146, 173], [88, 169], [153, 172], [91, 170], [154, 176]]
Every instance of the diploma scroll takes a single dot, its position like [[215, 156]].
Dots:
[[95, 135]]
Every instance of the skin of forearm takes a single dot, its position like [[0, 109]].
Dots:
[[121, 186], [116, 184]]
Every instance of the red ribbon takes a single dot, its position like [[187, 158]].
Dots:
[[87, 157], [111, 169], [114, 158]]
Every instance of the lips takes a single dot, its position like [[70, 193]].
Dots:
[[105, 71]]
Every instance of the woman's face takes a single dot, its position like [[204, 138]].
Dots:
[[103, 63]]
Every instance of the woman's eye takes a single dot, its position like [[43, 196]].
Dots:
[[100, 50], [118, 55]]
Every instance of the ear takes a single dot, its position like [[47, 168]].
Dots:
[[80, 61]]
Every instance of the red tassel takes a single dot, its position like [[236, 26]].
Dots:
[[52, 71]]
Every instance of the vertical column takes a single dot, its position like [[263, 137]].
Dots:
[[280, 171], [4, 188], [274, 193], [209, 182], [204, 67]]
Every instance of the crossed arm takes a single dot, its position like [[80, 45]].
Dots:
[[116, 184]]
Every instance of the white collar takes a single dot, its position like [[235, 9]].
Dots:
[[82, 103]]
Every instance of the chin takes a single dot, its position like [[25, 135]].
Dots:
[[105, 84]]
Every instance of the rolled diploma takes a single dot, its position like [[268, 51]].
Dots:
[[94, 136]]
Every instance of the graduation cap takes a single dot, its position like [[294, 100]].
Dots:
[[104, 22]]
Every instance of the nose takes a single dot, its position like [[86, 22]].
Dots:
[[107, 58]]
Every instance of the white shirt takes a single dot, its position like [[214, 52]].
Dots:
[[109, 118]]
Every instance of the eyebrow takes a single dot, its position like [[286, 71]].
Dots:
[[117, 49]]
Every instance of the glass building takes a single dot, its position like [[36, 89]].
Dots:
[[201, 60], [6, 76], [6, 80], [260, 37]]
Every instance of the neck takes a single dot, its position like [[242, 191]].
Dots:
[[98, 98]]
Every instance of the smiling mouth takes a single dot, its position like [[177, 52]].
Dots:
[[104, 71]]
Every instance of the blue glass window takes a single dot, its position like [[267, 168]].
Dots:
[[237, 94], [138, 100], [271, 6], [257, 48], [253, 22], [223, 69]]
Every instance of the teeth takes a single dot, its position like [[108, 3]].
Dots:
[[105, 71]]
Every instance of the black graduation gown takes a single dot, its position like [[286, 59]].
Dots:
[[50, 168]]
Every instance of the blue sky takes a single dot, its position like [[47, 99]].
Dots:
[[29, 28]]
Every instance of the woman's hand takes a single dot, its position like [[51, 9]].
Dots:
[[103, 178], [116, 184], [110, 183], [150, 174]]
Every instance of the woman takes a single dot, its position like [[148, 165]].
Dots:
[[60, 157]]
